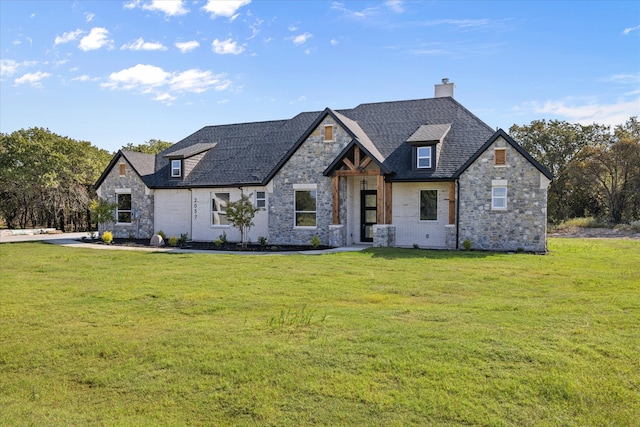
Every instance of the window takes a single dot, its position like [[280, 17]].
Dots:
[[219, 202], [123, 169], [176, 168], [328, 133], [499, 198], [428, 205], [423, 155], [261, 199], [500, 157], [123, 207], [305, 208]]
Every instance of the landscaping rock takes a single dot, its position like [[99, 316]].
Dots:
[[156, 240]]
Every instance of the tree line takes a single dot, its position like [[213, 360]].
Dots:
[[46, 180], [596, 170]]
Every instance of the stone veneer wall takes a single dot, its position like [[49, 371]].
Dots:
[[141, 202], [524, 224], [305, 167]]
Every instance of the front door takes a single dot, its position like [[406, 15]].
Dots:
[[368, 214]]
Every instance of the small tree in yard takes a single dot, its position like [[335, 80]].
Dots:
[[102, 211], [240, 214]]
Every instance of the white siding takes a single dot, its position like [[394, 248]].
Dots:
[[406, 215], [172, 212], [184, 211]]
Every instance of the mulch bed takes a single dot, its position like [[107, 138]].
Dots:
[[210, 246]]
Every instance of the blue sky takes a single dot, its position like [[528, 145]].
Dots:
[[118, 72]]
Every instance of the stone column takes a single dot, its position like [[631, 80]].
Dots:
[[384, 235], [337, 235]]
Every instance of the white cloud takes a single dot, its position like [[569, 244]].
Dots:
[[140, 44], [631, 29], [588, 111], [292, 28], [395, 5], [89, 16], [624, 78], [97, 38], [366, 13], [67, 37], [168, 7], [164, 85], [165, 98], [197, 81], [34, 79], [301, 39], [140, 77], [334, 42], [84, 78], [226, 8], [187, 46], [8, 67], [226, 47]]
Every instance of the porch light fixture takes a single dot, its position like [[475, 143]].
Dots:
[[363, 184]]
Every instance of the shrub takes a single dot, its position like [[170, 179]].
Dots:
[[315, 241], [107, 237], [184, 237], [173, 241], [588, 222], [416, 246], [161, 234], [466, 245], [262, 241]]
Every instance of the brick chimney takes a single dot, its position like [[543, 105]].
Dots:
[[444, 89]]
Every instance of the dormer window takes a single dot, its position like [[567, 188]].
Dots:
[[176, 168], [423, 157], [425, 146]]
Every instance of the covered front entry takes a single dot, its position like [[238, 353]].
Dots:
[[361, 197]]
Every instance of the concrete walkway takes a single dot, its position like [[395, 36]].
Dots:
[[71, 240]]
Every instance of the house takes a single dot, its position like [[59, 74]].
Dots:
[[423, 172]]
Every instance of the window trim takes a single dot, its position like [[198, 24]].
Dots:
[[499, 185], [262, 199], [214, 197], [420, 205], [305, 187], [333, 133], [179, 168], [419, 157], [504, 157], [118, 210]]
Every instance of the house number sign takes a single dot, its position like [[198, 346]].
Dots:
[[195, 208]]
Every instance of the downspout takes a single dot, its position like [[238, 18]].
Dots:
[[457, 213], [191, 216]]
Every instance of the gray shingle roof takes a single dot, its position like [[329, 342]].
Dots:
[[250, 153], [188, 151], [430, 133]]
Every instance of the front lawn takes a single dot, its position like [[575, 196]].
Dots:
[[382, 337]]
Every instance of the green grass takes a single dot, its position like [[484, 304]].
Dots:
[[384, 337]]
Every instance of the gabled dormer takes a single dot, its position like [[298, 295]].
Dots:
[[426, 144], [182, 161]]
